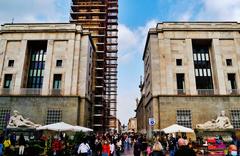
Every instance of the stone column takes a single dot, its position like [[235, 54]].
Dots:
[[82, 79], [3, 46], [76, 63], [20, 67], [190, 69], [169, 69], [69, 67], [237, 47], [46, 88], [217, 68]]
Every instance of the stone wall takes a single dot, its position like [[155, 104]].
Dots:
[[74, 109], [203, 108]]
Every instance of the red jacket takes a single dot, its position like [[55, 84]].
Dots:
[[106, 148], [56, 145]]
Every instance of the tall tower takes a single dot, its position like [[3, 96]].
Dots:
[[100, 17]]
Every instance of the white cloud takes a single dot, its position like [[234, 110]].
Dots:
[[131, 45], [220, 10], [33, 10], [132, 42]]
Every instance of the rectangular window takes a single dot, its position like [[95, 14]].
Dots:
[[184, 118], [59, 63], [232, 82], [179, 62], [7, 81], [57, 80], [10, 63], [202, 64], [54, 116], [229, 62], [180, 83], [235, 118], [4, 117], [37, 53]]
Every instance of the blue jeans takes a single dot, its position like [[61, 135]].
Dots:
[[171, 152]]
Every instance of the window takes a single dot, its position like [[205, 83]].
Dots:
[[4, 116], [59, 63], [229, 62], [7, 81], [54, 116], [180, 83], [10, 63], [57, 78], [235, 118], [202, 66], [179, 62], [184, 118], [232, 82], [37, 53]]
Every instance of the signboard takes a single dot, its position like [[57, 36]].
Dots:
[[151, 121]]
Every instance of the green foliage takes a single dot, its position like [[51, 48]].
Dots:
[[79, 137]]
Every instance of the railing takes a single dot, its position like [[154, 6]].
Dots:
[[56, 92], [30, 91], [181, 91], [233, 91], [205, 91]]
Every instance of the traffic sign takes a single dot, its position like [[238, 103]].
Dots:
[[151, 121]]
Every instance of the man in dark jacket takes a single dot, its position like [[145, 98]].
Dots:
[[184, 150]]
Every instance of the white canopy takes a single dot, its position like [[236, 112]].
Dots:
[[177, 128], [80, 128], [60, 126]]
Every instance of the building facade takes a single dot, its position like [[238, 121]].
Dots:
[[191, 73], [132, 125], [100, 17], [46, 73]]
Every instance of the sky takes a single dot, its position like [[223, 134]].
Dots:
[[135, 18]]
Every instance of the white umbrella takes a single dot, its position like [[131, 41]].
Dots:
[[80, 128], [60, 126], [177, 128]]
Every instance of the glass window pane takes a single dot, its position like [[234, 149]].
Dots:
[[199, 57], [203, 57], [196, 72]]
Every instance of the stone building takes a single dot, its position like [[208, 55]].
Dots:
[[132, 125], [191, 73], [46, 73]]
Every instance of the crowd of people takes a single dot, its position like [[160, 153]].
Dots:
[[108, 144]]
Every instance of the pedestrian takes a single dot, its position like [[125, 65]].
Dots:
[[137, 148], [183, 149], [7, 145], [171, 145], [112, 148], [1, 149], [106, 149], [83, 148], [98, 147], [118, 147], [21, 143], [157, 149], [56, 146]]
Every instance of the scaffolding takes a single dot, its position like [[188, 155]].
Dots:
[[100, 17]]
